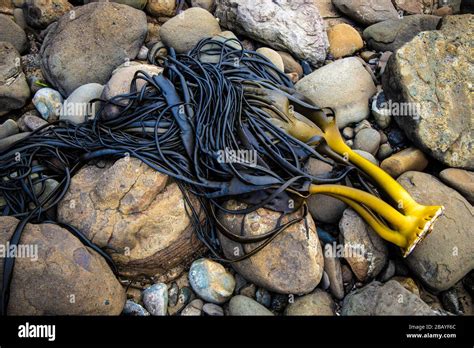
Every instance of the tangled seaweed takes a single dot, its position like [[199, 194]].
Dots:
[[217, 99]]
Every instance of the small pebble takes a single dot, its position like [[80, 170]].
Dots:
[[443, 11], [279, 302], [367, 140], [362, 125], [77, 107], [263, 297], [134, 309], [325, 236], [19, 3], [325, 283], [211, 281], [291, 65], [143, 53], [368, 55], [30, 122], [404, 161], [344, 40], [249, 290], [367, 156], [385, 151], [332, 267], [205, 4], [20, 18], [134, 294], [185, 295], [194, 308], [213, 310], [243, 305], [7, 128], [49, 103], [348, 132], [396, 137], [173, 295], [317, 303], [155, 299], [381, 113], [272, 56]]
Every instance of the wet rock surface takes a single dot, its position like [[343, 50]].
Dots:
[[242, 305]]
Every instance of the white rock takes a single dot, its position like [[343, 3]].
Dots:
[[294, 26]]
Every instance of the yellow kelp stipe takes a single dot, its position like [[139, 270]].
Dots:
[[408, 222]]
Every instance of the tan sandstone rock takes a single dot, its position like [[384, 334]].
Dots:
[[132, 211], [344, 40], [409, 159]]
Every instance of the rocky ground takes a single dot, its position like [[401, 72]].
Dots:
[[369, 60]]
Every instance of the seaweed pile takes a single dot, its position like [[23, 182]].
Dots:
[[218, 99]]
